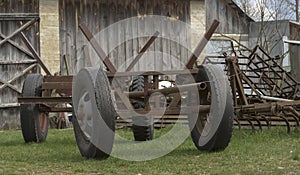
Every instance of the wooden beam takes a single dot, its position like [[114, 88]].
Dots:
[[18, 16], [9, 105], [8, 83], [29, 23], [35, 54], [10, 62], [16, 45]]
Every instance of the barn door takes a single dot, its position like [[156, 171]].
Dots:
[[16, 61]]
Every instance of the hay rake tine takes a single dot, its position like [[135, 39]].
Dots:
[[287, 124], [238, 123], [258, 122], [251, 124], [267, 121]]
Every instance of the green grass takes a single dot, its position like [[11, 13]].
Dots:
[[268, 152]]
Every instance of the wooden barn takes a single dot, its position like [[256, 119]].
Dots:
[[51, 26], [16, 17], [98, 15]]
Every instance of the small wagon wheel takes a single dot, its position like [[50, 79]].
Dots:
[[93, 112], [142, 126], [34, 123], [213, 131]]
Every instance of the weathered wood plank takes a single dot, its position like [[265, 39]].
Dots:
[[99, 14], [158, 43], [15, 61], [128, 34]]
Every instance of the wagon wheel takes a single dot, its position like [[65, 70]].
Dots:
[[142, 126], [212, 131], [94, 114], [34, 123]]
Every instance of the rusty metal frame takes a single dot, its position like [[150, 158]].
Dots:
[[256, 109], [63, 84]]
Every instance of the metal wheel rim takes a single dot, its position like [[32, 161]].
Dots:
[[84, 114], [43, 117]]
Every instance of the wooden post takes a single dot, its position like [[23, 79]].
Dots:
[[297, 10]]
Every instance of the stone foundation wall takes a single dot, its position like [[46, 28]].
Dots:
[[198, 24]]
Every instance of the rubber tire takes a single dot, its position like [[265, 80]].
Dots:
[[29, 113], [142, 126], [222, 136], [105, 107]]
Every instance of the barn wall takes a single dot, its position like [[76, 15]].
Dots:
[[15, 60], [232, 19], [198, 23], [295, 50], [97, 15], [50, 34]]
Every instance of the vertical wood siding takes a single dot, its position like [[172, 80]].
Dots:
[[13, 61], [98, 15], [295, 51], [232, 19]]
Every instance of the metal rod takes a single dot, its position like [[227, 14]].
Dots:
[[53, 109], [167, 91], [141, 53], [275, 98], [66, 64], [34, 53], [57, 85], [152, 73], [297, 10], [46, 100], [202, 44], [100, 52], [169, 111]]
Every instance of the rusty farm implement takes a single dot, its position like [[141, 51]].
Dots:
[[264, 93], [98, 97]]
